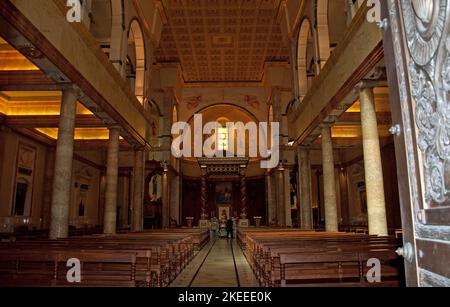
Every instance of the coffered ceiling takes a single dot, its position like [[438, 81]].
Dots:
[[221, 40]]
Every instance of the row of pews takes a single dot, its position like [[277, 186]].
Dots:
[[289, 257], [24, 234], [147, 259]]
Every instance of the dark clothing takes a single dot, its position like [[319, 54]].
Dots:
[[230, 228]]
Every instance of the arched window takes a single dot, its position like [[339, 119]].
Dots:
[[305, 54], [136, 60]]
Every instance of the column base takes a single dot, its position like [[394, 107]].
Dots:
[[243, 223]]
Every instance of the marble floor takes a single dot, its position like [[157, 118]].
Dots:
[[220, 263]]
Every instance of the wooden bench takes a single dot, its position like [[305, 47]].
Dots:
[[158, 256], [269, 254], [336, 268], [50, 269]]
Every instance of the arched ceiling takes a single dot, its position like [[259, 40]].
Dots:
[[221, 40]]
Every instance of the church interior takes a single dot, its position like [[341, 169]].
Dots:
[[90, 91]]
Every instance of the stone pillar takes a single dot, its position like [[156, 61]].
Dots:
[[175, 199], [287, 198], [376, 207], [117, 54], [138, 191], [305, 201], [166, 120], [329, 181], [47, 197], [165, 198], [243, 213], [203, 223], [62, 182], [280, 197], [112, 172], [271, 203]]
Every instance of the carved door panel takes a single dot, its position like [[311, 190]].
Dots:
[[417, 48]]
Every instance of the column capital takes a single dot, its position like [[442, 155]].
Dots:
[[326, 125], [138, 147], [304, 147], [75, 89], [363, 84], [114, 127]]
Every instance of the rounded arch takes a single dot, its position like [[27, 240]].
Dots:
[[323, 31], [302, 57], [224, 113], [202, 110], [136, 59]]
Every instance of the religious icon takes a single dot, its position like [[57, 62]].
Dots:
[[224, 193]]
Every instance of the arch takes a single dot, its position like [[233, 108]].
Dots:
[[202, 110], [230, 113], [136, 59], [302, 57], [323, 31]]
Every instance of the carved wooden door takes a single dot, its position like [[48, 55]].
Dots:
[[417, 48]]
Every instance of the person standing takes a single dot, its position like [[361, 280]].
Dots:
[[230, 228]]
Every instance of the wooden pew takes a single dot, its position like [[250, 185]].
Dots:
[[333, 269], [110, 269], [264, 249], [159, 256]]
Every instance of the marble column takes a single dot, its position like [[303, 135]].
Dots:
[[48, 181], [243, 213], [287, 198], [305, 201], [329, 181], [280, 197], [376, 207], [165, 198], [62, 182], [138, 191], [175, 192], [271, 203], [203, 194], [112, 172]]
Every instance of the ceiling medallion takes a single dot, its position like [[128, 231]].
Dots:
[[424, 24], [31, 52]]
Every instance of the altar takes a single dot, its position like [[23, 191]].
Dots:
[[223, 191]]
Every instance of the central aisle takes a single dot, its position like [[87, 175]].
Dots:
[[221, 263]]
